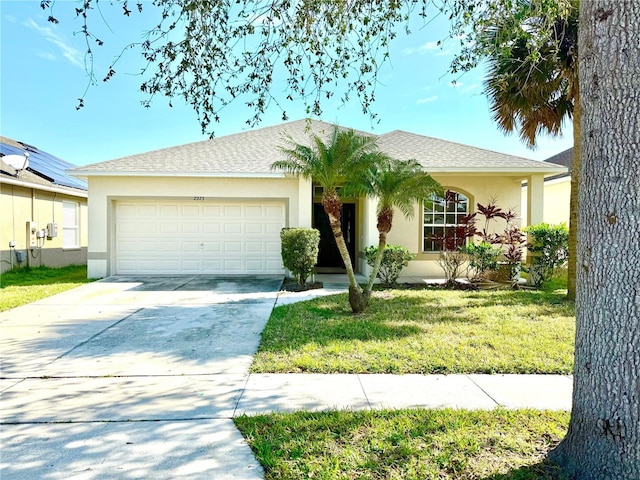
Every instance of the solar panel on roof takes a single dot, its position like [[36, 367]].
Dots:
[[46, 165]]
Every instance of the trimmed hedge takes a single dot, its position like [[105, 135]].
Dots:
[[300, 251], [549, 248], [394, 259]]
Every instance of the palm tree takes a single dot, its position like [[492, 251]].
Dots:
[[330, 164], [396, 184], [535, 94]]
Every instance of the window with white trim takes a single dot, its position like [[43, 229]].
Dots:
[[443, 226], [70, 224]]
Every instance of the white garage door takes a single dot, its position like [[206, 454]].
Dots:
[[161, 237]]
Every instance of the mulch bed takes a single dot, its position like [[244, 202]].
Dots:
[[290, 285]]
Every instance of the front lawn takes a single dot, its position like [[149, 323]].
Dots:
[[25, 285], [423, 331], [406, 444]]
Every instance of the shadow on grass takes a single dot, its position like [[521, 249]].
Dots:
[[396, 314], [291, 326], [544, 470]]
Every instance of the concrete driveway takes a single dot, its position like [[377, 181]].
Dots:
[[131, 378]]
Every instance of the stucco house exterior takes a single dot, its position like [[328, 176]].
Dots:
[[557, 191], [216, 207], [44, 210]]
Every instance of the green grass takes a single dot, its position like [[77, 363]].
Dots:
[[406, 444], [423, 331], [25, 285]]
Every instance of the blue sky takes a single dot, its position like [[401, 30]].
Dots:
[[43, 74]]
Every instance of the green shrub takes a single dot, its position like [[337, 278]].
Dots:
[[394, 259], [300, 251], [483, 257], [549, 248]]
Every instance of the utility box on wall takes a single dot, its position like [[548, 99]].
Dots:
[[32, 240], [52, 230]]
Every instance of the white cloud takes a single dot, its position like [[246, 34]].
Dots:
[[422, 101], [428, 48], [470, 88], [69, 52], [47, 56], [463, 87]]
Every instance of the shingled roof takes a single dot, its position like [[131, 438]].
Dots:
[[251, 153], [563, 158]]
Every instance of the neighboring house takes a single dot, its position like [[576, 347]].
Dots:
[[216, 207], [44, 210], [557, 191]]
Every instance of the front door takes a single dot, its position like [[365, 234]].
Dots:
[[329, 258]]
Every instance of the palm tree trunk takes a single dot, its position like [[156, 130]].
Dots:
[[576, 165], [385, 221], [382, 243], [332, 204]]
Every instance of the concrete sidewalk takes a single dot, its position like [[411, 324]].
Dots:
[[321, 392]]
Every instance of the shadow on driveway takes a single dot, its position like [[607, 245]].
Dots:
[[169, 356]]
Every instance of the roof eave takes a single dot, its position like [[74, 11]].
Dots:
[[74, 192], [500, 170], [114, 173]]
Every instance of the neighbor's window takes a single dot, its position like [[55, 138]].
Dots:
[[442, 222], [70, 225]]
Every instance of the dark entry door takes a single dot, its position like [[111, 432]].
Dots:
[[328, 255]]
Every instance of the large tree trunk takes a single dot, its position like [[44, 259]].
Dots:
[[576, 166], [603, 441], [332, 204]]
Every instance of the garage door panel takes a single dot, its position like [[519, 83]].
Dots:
[[254, 228], [168, 227], [254, 211], [232, 228], [233, 247], [232, 211], [233, 265], [212, 247], [274, 211], [272, 228], [191, 227], [211, 227], [212, 210], [191, 211], [254, 247], [169, 210], [272, 247], [216, 238]]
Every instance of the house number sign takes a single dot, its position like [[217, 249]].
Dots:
[[198, 198]]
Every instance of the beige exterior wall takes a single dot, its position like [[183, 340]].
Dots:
[[557, 195], [480, 189], [104, 191], [297, 194], [20, 204]]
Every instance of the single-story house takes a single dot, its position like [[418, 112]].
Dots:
[[216, 207], [557, 191], [44, 210]]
